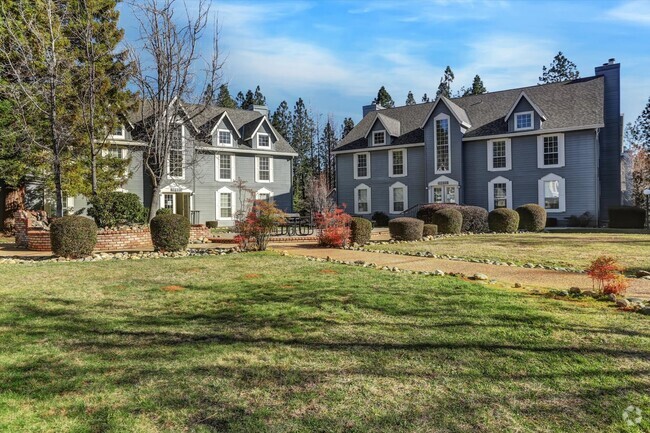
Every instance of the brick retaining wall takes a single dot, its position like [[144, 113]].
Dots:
[[37, 239]]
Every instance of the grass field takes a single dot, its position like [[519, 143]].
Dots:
[[261, 342], [575, 250]]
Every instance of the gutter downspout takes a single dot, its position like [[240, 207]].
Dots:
[[597, 180]]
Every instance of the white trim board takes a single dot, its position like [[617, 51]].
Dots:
[[373, 149]]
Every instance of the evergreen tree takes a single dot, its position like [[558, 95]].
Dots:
[[384, 99], [208, 95], [329, 143], [637, 134], [258, 97], [444, 88], [302, 135], [410, 100], [561, 69], [246, 102], [281, 120], [425, 98], [240, 100], [348, 125], [224, 99], [477, 87]]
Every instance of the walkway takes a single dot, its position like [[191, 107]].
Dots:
[[530, 278]]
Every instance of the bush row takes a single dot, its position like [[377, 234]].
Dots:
[[475, 218], [406, 229]]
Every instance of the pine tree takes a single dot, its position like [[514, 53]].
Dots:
[[224, 99], [302, 135], [348, 125], [281, 120], [425, 98], [410, 100], [444, 88], [329, 141], [637, 134], [384, 99], [258, 97], [477, 87], [240, 100], [561, 69]]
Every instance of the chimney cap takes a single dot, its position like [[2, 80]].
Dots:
[[611, 61]]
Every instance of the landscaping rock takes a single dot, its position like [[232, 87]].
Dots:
[[439, 273], [641, 274], [575, 290], [518, 285], [612, 297], [623, 303], [480, 277], [562, 293], [645, 311]]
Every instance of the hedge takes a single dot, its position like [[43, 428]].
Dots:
[[360, 230], [503, 220], [163, 211], [212, 224], [406, 229], [474, 217], [170, 232], [117, 208], [430, 230], [449, 221], [532, 217], [626, 217], [380, 219], [73, 236]]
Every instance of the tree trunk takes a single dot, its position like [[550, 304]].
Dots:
[[155, 201], [14, 201]]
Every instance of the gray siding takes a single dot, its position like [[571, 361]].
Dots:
[[522, 106], [581, 179]]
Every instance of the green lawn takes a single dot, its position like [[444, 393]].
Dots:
[[575, 250], [261, 342]]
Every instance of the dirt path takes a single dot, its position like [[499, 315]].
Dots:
[[540, 278]]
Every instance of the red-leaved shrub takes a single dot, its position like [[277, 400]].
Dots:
[[258, 225], [334, 228], [604, 272]]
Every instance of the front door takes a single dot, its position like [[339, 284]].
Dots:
[[443, 194], [177, 202]]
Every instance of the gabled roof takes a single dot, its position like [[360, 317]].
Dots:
[[392, 126], [219, 119], [530, 101], [569, 104], [456, 111], [254, 125]]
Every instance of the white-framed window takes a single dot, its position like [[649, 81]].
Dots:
[[224, 167], [397, 163], [443, 190], [378, 138], [550, 151], [499, 154], [225, 204], [118, 133], [169, 202], [524, 121], [264, 194], [442, 140], [398, 197], [499, 193], [362, 199], [263, 169], [263, 140], [362, 165], [224, 138], [552, 193], [176, 161]]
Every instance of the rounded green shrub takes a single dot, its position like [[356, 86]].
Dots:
[[163, 211], [380, 219], [503, 220], [212, 224], [532, 217], [430, 230], [170, 232], [449, 221], [626, 217], [360, 230], [425, 213], [406, 229], [117, 208], [73, 236], [475, 218]]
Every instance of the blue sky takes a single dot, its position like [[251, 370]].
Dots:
[[336, 54]]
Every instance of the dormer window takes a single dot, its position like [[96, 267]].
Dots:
[[224, 138], [523, 121], [378, 138], [118, 132], [263, 140]]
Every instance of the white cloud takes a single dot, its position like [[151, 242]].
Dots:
[[637, 11]]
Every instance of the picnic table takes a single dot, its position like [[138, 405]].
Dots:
[[295, 225]]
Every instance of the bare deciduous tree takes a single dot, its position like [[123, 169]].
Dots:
[[318, 194], [168, 71]]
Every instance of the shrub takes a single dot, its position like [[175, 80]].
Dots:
[[603, 271], [406, 229], [626, 217], [334, 228], [532, 217], [475, 218], [617, 285], [503, 220], [449, 221], [117, 208], [259, 224], [212, 224], [430, 230], [380, 219], [583, 220], [163, 211], [360, 230], [170, 232], [73, 236]]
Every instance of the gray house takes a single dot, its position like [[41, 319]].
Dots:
[[210, 152], [558, 145]]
